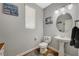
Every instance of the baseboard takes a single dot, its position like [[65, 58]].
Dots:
[[26, 52], [60, 54], [52, 48]]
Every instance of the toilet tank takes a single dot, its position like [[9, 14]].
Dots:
[[47, 39]]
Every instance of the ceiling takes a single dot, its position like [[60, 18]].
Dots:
[[43, 5]]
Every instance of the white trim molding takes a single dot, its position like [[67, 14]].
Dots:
[[26, 52]]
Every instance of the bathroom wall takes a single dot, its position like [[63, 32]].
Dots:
[[12, 30], [51, 29]]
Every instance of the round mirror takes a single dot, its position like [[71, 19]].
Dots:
[[64, 22]]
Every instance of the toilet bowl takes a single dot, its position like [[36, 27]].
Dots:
[[43, 45]]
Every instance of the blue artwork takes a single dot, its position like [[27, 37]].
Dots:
[[10, 9]]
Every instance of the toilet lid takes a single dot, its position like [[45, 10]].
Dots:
[[43, 45]]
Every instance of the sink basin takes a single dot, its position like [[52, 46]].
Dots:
[[65, 39]]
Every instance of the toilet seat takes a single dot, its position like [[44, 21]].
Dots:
[[43, 45]]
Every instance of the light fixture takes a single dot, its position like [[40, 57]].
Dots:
[[57, 11], [62, 9], [70, 6], [63, 12]]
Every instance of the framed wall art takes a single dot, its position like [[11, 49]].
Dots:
[[48, 20], [10, 9]]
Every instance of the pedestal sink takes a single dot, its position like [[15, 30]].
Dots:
[[62, 41], [62, 38]]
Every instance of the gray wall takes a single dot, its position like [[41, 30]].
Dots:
[[12, 30], [18, 39], [51, 29]]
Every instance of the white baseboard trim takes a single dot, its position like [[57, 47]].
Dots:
[[26, 52], [60, 54], [23, 53], [52, 48]]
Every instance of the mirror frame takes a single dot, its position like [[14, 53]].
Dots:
[[61, 22]]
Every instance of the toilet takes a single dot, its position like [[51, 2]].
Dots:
[[44, 44]]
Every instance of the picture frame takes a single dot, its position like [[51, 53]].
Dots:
[[10, 9], [48, 20]]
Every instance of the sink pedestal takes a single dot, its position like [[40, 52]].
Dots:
[[62, 41]]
